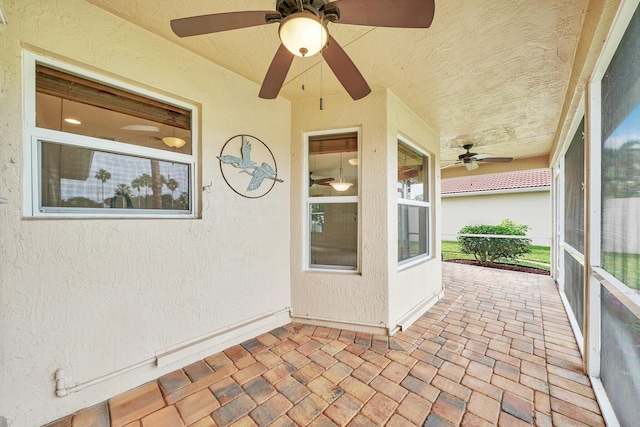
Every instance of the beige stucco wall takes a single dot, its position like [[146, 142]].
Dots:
[[412, 288], [96, 296], [373, 299], [530, 208], [344, 297]]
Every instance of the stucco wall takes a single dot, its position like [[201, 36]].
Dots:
[[349, 297], [530, 208], [96, 296], [374, 299], [418, 286]]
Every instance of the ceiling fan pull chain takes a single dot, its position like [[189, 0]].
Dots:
[[304, 74], [321, 106]]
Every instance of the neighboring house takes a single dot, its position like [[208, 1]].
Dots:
[[523, 197]]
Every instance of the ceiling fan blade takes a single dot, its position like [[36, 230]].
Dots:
[[452, 164], [323, 181], [385, 13], [345, 70], [495, 159], [217, 22], [276, 73]]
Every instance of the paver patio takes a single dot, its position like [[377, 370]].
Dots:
[[496, 350]]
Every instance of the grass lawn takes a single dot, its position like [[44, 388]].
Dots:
[[625, 267], [538, 254]]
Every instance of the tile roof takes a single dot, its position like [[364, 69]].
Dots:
[[501, 181]]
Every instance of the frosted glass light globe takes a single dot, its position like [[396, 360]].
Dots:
[[303, 34]]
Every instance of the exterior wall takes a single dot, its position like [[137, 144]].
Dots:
[[530, 208], [97, 296], [357, 301], [413, 288], [375, 299]]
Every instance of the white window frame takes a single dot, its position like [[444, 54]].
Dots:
[[33, 135], [425, 203], [308, 201]]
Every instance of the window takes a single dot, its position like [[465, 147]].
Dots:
[[332, 201], [413, 203], [100, 149]]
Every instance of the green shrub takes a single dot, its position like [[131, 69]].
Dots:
[[490, 249]]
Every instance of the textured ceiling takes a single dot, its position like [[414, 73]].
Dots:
[[493, 72]]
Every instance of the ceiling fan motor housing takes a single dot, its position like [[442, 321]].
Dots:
[[287, 7], [468, 155]]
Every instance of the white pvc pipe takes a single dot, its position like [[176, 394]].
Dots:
[[61, 380], [173, 353], [347, 322], [61, 376]]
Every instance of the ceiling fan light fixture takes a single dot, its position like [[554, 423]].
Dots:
[[174, 141], [303, 33], [73, 121], [341, 185], [471, 165]]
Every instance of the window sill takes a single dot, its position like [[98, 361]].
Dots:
[[412, 262]]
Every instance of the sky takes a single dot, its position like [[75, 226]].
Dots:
[[628, 130]]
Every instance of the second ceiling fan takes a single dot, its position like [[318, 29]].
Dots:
[[470, 160], [304, 32]]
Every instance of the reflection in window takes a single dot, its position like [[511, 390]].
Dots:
[[333, 160], [75, 177], [333, 201], [72, 104], [412, 174], [413, 203], [317, 218]]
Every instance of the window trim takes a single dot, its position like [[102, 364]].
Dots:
[[32, 135], [417, 259], [308, 201]]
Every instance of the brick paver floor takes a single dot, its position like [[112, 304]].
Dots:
[[496, 350]]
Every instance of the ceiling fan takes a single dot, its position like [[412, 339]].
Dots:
[[303, 32], [319, 181], [470, 160]]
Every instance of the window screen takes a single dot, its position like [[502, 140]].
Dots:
[[621, 160], [574, 191]]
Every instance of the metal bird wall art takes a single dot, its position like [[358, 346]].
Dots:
[[248, 166]]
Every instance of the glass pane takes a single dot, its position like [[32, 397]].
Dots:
[[413, 231], [574, 191], [75, 177], [75, 105], [621, 160], [412, 174], [333, 165], [620, 357], [334, 235], [574, 287]]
